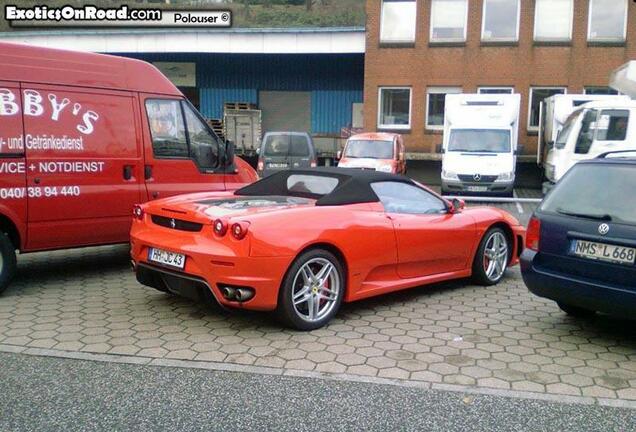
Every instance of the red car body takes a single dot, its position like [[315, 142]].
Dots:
[[395, 164], [380, 251]]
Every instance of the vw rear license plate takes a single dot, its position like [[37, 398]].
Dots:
[[605, 252], [477, 188], [166, 258]]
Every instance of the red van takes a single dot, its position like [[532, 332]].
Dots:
[[379, 151], [84, 137]]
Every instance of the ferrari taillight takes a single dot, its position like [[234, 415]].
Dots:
[[138, 212], [239, 230], [220, 227], [533, 234]]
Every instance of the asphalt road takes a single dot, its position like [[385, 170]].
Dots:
[[40, 393]]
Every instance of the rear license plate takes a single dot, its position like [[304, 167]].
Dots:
[[166, 258], [277, 165], [477, 188], [604, 252]]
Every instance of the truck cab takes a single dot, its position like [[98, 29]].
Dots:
[[555, 111], [601, 126], [591, 130], [480, 144], [374, 151]]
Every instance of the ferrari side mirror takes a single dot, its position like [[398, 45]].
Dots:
[[457, 205]]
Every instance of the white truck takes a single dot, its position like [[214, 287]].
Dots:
[[480, 144], [594, 128]]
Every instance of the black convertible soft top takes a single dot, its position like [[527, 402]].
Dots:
[[353, 185]]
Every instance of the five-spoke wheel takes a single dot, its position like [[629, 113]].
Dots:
[[492, 257], [312, 290]]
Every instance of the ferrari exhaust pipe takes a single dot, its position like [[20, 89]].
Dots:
[[243, 294], [229, 293]]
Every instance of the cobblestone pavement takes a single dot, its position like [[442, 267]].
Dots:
[[454, 333]]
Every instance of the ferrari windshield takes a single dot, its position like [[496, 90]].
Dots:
[[480, 140], [373, 149]]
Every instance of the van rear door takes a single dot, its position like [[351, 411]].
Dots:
[[182, 154], [13, 203], [83, 165]]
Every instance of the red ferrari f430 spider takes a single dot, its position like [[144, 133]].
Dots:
[[301, 242]]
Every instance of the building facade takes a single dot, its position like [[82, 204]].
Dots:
[[417, 51]]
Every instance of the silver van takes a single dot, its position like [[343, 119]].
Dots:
[[285, 150]]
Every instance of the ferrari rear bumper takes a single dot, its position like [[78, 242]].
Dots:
[[210, 265]]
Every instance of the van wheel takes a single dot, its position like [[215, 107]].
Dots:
[[491, 259], [7, 261], [576, 311], [312, 290]]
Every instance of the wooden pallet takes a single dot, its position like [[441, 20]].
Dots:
[[239, 106], [217, 127]]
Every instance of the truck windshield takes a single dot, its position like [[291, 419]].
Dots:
[[595, 191], [564, 134], [369, 149], [480, 140]]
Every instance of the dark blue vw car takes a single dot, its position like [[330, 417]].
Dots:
[[581, 242]]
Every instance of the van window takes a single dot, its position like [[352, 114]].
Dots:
[[586, 135], [167, 128], [612, 125], [204, 148], [480, 140], [299, 146], [277, 146], [374, 149]]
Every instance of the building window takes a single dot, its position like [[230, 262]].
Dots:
[[448, 20], [607, 21], [537, 95], [495, 90], [394, 108], [553, 20], [435, 104], [599, 90], [500, 21], [398, 21]]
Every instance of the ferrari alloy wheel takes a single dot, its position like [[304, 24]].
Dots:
[[7, 261], [312, 290], [492, 257]]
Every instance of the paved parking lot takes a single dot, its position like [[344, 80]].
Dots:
[[454, 333]]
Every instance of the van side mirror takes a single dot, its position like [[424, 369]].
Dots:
[[520, 149], [229, 153], [339, 155], [457, 205], [439, 148]]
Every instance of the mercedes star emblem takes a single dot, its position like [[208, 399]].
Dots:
[[603, 229], [477, 177]]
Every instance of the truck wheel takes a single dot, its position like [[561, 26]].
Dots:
[[7, 261], [312, 290]]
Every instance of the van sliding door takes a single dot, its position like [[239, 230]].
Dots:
[[83, 165]]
